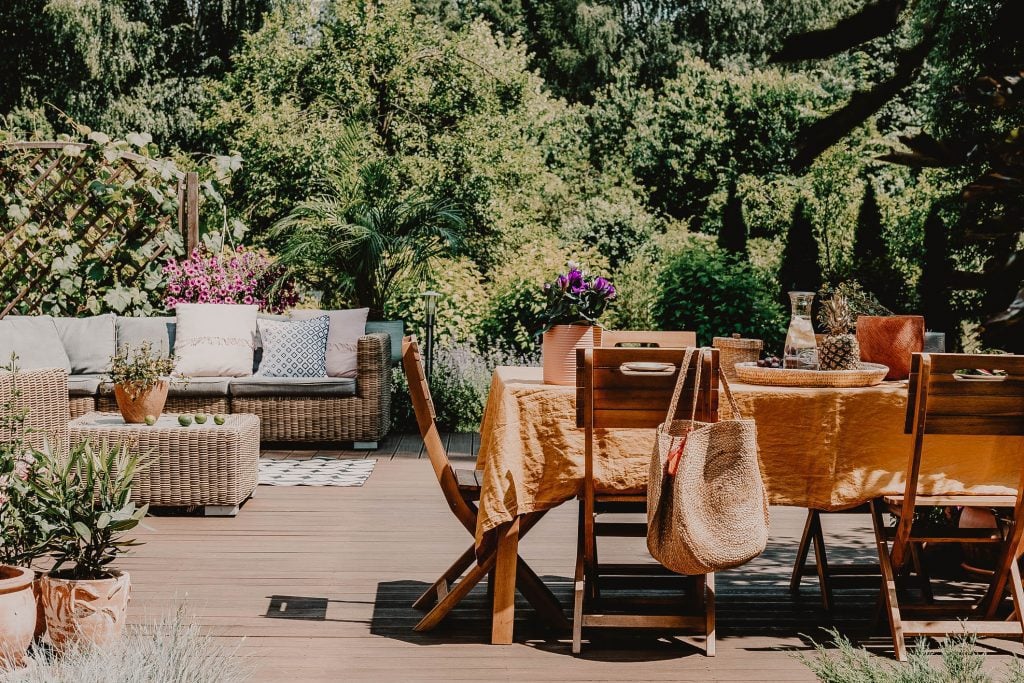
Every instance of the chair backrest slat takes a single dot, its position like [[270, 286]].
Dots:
[[964, 404], [640, 401], [423, 406], [648, 339]]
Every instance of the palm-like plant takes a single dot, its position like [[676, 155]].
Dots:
[[360, 234]]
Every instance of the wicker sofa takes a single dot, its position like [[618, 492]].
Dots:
[[305, 410]]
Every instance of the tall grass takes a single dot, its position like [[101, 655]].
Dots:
[[172, 650], [957, 660]]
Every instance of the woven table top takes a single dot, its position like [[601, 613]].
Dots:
[[168, 422]]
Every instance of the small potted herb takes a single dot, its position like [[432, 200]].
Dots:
[[85, 503], [140, 379], [573, 303]]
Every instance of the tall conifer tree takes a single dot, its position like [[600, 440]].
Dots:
[[800, 269]]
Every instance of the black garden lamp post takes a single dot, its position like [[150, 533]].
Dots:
[[430, 298]]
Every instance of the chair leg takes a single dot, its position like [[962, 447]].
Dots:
[[821, 562], [441, 610], [924, 579], [889, 595], [540, 596], [1017, 591], [441, 587], [802, 552], [579, 590], [709, 615]]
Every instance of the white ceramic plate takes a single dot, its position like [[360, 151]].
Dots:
[[648, 367], [980, 378]]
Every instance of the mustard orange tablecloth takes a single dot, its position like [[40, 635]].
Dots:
[[820, 448]]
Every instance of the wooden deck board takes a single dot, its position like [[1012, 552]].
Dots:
[[315, 584]]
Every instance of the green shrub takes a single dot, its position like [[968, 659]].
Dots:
[[515, 311], [459, 386], [614, 221], [715, 294], [460, 309], [637, 280]]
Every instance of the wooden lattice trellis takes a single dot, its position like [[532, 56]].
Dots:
[[85, 214]]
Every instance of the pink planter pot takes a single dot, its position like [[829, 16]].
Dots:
[[85, 611], [559, 351], [17, 615]]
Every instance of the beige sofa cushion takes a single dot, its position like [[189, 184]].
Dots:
[[214, 340]]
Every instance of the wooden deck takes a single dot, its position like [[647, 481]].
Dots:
[[315, 584]]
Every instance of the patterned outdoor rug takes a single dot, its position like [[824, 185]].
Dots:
[[315, 472]]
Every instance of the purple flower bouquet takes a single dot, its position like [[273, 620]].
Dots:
[[576, 298]]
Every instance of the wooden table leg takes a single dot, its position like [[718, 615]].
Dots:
[[504, 610]]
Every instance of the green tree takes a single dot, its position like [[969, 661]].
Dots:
[[801, 268], [361, 237], [933, 287], [120, 65], [458, 114], [873, 265], [732, 236]]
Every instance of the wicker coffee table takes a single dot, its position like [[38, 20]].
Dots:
[[215, 467]]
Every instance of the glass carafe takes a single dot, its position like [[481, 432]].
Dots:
[[801, 351]]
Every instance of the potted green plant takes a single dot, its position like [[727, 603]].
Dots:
[[573, 303], [85, 504], [22, 536], [141, 379]]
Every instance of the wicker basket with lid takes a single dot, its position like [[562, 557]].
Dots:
[[736, 349]]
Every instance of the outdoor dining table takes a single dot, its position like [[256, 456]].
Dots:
[[819, 448]]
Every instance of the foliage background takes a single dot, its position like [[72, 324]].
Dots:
[[606, 131]]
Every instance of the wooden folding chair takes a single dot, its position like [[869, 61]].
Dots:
[[940, 403], [461, 489], [657, 339], [607, 397]]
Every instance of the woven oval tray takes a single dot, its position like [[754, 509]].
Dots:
[[868, 375]]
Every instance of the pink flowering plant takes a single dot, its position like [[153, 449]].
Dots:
[[576, 298], [232, 276]]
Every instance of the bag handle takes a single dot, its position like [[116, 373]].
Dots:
[[696, 387], [676, 453], [680, 381], [733, 405]]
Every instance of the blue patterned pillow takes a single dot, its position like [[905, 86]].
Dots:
[[294, 349]]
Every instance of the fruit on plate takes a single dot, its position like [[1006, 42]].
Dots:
[[150, 420], [218, 419], [200, 419], [839, 349], [770, 362], [184, 420]]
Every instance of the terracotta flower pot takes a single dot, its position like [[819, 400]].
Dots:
[[149, 402], [17, 615], [978, 559], [37, 593], [90, 611], [558, 350]]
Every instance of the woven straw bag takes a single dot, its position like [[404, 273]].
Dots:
[[707, 508]]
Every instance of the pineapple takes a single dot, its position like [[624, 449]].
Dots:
[[839, 349]]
